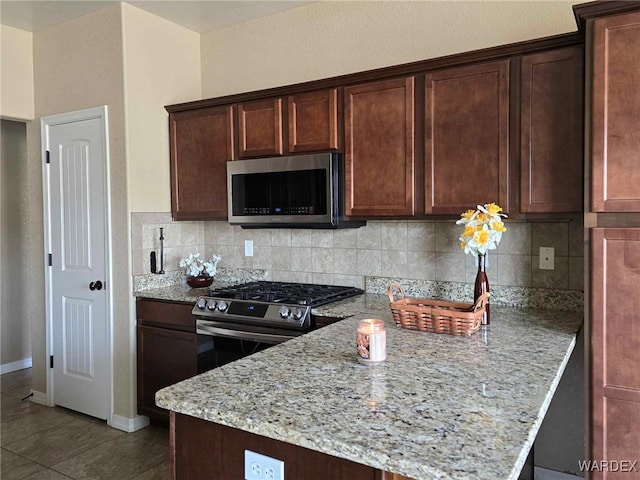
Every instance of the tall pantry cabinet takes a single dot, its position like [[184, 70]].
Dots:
[[613, 126]]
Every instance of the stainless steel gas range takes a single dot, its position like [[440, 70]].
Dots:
[[233, 322]]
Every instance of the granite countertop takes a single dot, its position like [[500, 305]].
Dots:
[[178, 293], [438, 407]]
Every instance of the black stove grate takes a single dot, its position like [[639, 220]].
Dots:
[[288, 293]]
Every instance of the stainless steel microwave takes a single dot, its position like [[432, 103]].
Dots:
[[304, 191]]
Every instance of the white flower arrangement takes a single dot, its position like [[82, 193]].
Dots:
[[196, 267], [483, 229]]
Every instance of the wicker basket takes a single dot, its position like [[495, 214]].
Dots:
[[435, 315]]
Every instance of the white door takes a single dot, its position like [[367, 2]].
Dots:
[[77, 218]]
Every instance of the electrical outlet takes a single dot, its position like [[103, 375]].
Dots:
[[248, 248], [261, 467], [547, 258]]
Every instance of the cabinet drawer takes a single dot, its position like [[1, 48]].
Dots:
[[176, 316]]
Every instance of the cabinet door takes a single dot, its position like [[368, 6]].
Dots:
[[201, 143], [466, 137], [313, 121], [615, 113], [379, 147], [615, 346], [165, 357], [260, 128], [551, 135]]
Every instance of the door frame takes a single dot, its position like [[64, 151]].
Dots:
[[100, 113]]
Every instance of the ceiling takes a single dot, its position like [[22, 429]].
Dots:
[[199, 16]]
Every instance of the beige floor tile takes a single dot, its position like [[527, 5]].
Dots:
[[47, 474], [9, 404], [159, 472], [19, 378], [16, 384], [30, 420], [154, 432], [123, 458], [64, 440], [15, 467], [20, 392]]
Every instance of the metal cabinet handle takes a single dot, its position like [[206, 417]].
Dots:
[[95, 285]]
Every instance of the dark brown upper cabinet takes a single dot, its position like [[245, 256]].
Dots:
[[260, 128], [551, 131], [438, 136], [615, 134], [313, 121], [467, 137], [379, 148], [201, 142]]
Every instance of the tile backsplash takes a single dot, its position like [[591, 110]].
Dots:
[[412, 250]]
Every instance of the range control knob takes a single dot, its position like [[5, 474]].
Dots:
[[201, 303], [222, 305], [284, 311], [211, 305], [298, 313]]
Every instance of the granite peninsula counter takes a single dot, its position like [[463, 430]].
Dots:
[[438, 407]]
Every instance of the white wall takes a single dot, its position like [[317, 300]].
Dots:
[[16, 73], [325, 39], [161, 67], [15, 345]]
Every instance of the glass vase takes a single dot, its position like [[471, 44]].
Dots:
[[482, 286]]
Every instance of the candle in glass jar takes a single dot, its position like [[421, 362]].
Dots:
[[371, 341]]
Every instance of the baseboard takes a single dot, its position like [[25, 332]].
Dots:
[[129, 424], [540, 473], [15, 366], [40, 398]]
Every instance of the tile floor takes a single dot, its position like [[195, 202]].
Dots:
[[43, 443]]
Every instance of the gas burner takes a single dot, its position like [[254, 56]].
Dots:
[[282, 292]]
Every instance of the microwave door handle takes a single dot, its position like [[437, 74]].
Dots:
[[242, 335]]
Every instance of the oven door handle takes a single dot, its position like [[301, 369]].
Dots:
[[204, 329]]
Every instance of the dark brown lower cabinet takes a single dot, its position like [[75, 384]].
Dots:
[[615, 348], [165, 357], [201, 449]]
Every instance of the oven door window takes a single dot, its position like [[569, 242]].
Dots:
[[214, 352], [298, 192]]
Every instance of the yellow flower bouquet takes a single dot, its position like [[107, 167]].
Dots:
[[483, 229]]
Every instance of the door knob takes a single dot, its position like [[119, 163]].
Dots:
[[95, 285]]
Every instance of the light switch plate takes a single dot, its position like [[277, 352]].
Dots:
[[547, 258], [248, 248]]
